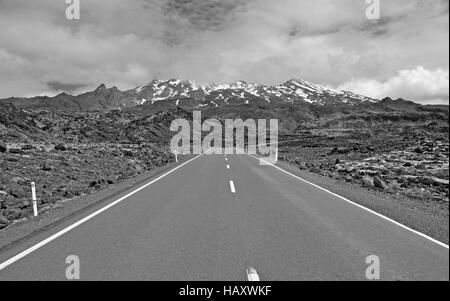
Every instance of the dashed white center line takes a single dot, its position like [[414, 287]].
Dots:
[[252, 274], [233, 189], [228, 166]]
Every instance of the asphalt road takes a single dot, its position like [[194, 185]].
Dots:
[[194, 224]]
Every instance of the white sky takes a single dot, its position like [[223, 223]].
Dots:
[[130, 42]]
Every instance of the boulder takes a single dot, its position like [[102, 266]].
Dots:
[[18, 180], [4, 222], [379, 183], [302, 166], [438, 181], [96, 184], [138, 168], [368, 172], [3, 195], [47, 167], [418, 150], [340, 150], [61, 147], [25, 204], [15, 151], [16, 191], [432, 181], [12, 158], [68, 194], [348, 178], [408, 178], [13, 213], [127, 153], [368, 182], [3, 147], [421, 166]]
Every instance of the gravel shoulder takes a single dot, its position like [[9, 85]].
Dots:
[[72, 208], [430, 218]]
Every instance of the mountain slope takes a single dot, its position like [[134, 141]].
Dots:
[[101, 99]]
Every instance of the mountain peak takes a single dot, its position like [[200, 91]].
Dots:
[[391, 100], [101, 88]]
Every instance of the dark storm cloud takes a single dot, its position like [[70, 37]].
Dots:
[[65, 87], [204, 14]]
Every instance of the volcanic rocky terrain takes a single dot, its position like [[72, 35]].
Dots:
[[69, 155], [73, 145]]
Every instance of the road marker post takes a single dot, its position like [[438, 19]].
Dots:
[[176, 156], [33, 198]]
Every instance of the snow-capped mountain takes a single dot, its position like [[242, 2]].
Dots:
[[163, 94], [293, 91]]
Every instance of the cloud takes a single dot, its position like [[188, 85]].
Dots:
[[419, 84], [204, 15], [65, 87], [129, 42]]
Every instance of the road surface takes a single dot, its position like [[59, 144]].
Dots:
[[216, 216]]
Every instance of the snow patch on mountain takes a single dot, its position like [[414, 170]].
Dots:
[[295, 90]]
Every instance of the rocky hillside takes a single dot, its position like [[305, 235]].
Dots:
[[30, 126], [396, 147], [101, 99], [72, 154]]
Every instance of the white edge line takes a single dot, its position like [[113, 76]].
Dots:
[[233, 189], [73, 226], [360, 206]]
